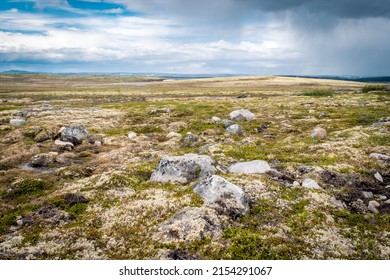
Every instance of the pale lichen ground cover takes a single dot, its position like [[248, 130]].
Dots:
[[126, 213]]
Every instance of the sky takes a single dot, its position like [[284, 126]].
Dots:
[[257, 37]]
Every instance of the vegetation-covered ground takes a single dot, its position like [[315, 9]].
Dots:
[[121, 211]]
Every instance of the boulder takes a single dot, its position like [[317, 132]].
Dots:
[[190, 224], [254, 166], [183, 168], [235, 129], [241, 115], [378, 177], [318, 133], [74, 134], [42, 160], [310, 184], [17, 122], [372, 206], [227, 198]]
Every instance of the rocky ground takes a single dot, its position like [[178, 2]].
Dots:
[[227, 168]]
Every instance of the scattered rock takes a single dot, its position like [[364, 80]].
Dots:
[[380, 156], [368, 194], [296, 184], [204, 148], [227, 123], [172, 134], [378, 177], [319, 133], [72, 199], [42, 160], [241, 115], [17, 122], [255, 166], [132, 135], [215, 120], [372, 206], [24, 221], [323, 115], [183, 168], [63, 143], [235, 129], [333, 178], [229, 198], [358, 206], [74, 134], [310, 184], [189, 138], [382, 121], [98, 143], [190, 224]]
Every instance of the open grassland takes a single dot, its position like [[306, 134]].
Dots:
[[123, 210]]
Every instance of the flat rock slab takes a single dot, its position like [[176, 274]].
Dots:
[[254, 166], [183, 169]]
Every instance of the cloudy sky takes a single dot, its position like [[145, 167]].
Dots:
[[263, 37]]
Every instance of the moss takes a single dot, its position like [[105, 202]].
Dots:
[[28, 188]]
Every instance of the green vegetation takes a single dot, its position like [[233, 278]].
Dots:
[[370, 87], [318, 93]]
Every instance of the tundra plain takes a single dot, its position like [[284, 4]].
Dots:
[[95, 199]]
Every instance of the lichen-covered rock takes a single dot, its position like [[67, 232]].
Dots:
[[235, 129], [227, 123], [42, 160], [241, 115], [190, 138], [215, 120], [254, 166], [73, 198], [310, 184], [183, 168], [228, 198], [318, 133], [74, 134], [190, 224]]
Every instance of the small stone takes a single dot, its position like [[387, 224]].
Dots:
[[387, 201], [132, 135], [172, 134], [215, 120], [296, 184], [227, 123], [189, 138], [372, 205], [17, 122], [323, 115], [42, 160], [249, 167], [382, 197], [368, 194], [319, 133], [235, 129], [241, 115], [310, 184], [204, 148], [98, 143], [63, 143], [72, 199], [378, 177], [380, 156]]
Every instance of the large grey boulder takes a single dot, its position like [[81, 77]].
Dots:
[[235, 129], [225, 197], [74, 134], [190, 224], [183, 168], [254, 166], [241, 115]]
